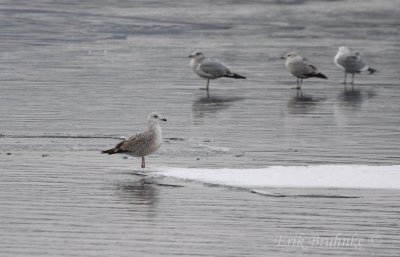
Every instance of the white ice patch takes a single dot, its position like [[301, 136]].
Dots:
[[318, 176]]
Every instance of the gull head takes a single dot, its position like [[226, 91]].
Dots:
[[198, 56], [155, 117], [289, 55], [343, 50]]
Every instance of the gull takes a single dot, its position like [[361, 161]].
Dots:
[[351, 62], [144, 143], [301, 68], [210, 68]]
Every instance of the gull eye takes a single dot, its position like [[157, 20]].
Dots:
[[155, 116]]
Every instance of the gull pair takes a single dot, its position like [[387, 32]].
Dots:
[[345, 59]]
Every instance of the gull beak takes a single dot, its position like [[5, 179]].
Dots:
[[164, 119], [283, 57], [190, 56]]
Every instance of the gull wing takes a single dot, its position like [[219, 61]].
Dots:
[[134, 143], [309, 68], [352, 63], [213, 68]]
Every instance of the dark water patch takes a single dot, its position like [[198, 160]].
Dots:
[[175, 139], [161, 184], [265, 193]]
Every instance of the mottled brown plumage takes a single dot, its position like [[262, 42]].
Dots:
[[144, 143]]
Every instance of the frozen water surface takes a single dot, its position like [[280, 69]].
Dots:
[[71, 70]]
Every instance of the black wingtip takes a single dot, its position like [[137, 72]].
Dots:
[[237, 76], [320, 75], [371, 70], [109, 151]]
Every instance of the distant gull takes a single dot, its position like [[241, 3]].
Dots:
[[210, 68], [351, 62], [144, 143], [301, 68]]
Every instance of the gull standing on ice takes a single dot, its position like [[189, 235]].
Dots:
[[144, 143], [210, 68], [301, 68], [351, 62]]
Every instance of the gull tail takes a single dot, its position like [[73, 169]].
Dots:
[[116, 149], [112, 151], [371, 70], [320, 75], [235, 76]]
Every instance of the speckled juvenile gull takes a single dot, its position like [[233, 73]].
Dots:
[[144, 143], [351, 62], [210, 68], [301, 68]]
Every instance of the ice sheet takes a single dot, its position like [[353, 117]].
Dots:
[[318, 176]]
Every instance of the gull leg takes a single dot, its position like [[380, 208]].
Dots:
[[352, 82], [345, 78], [143, 162], [206, 88], [301, 84], [298, 88]]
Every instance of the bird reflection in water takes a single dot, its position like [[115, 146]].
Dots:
[[354, 97], [212, 104], [138, 193], [302, 104]]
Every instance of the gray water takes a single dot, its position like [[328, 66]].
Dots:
[[77, 75]]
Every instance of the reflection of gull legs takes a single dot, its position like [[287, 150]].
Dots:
[[298, 88], [352, 80], [345, 80], [206, 88]]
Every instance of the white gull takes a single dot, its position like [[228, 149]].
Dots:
[[351, 62], [210, 68]]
